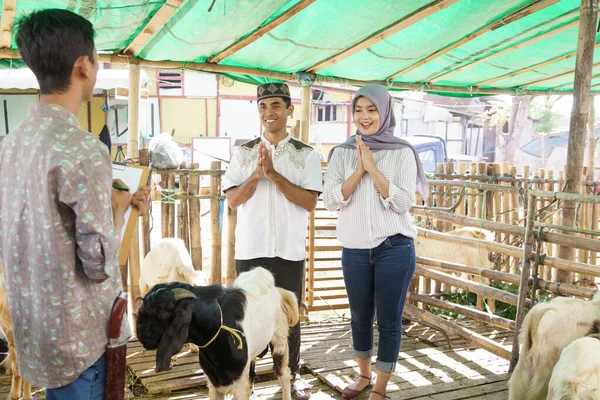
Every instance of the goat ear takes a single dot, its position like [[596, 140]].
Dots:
[[181, 294], [174, 336]]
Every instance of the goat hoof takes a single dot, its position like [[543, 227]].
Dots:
[[193, 348]]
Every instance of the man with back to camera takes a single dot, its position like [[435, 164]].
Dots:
[[274, 181], [59, 217]]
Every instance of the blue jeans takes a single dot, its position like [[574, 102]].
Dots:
[[377, 280], [91, 385]]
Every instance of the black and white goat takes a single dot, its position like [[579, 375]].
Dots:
[[232, 327], [547, 329]]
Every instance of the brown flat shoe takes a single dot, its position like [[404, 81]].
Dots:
[[381, 394], [349, 394]]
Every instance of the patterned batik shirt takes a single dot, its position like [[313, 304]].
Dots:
[[56, 237]]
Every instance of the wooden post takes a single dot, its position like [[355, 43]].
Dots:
[[133, 154], [182, 217], [215, 190], [561, 185], [528, 241], [296, 130], [231, 223], [164, 203], [439, 198], [584, 218], [305, 122], [449, 198], [551, 249], [145, 161], [504, 207], [489, 197], [497, 201], [479, 211], [309, 294], [133, 113], [541, 174], [514, 216], [591, 172], [462, 171], [171, 205], [471, 201], [526, 184], [591, 141], [579, 116], [195, 229]]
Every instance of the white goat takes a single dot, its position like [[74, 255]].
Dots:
[[169, 261], [547, 329], [451, 252], [17, 383], [576, 375]]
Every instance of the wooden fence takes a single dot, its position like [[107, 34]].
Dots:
[[496, 199], [492, 198]]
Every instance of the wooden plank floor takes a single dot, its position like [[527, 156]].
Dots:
[[427, 368]]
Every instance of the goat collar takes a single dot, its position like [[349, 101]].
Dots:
[[234, 332]]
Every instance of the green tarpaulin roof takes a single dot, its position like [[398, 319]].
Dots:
[[460, 47]]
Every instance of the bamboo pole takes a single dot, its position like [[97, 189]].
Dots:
[[259, 32], [526, 184], [164, 206], [478, 186], [484, 245], [467, 334], [145, 161], [542, 269], [426, 283], [551, 237], [551, 248], [579, 115], [182, 215], [525, 275], [215, 190], [590, 176], [492, 205], [171, 204], [561, 185], [133, 118], [305, 122], [463, 310], [472, 199], [449, 198], [571, 196], [440, 225], [478, 288], [582, 255], [462, 171], [311, 259], [505, 203], [555, 287], [513, 217], [231, 224], [195, 225]]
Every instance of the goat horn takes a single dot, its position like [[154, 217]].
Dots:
[[181, 294]]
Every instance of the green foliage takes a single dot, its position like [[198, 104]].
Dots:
[[547, 120], [504, 310]]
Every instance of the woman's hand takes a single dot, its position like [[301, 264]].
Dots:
[[368, 163], [360, 170]]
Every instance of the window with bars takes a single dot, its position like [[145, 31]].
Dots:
[[170, 82], [328, 113]]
